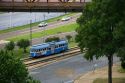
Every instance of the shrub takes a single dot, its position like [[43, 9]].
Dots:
[[52, 39], [23, 43], [68, 37]]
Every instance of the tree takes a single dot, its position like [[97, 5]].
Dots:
[[31, 80], [23, 43], [10, 46], [12, 70], [68, 37], [122, 57], [52, 39], [102, 30]]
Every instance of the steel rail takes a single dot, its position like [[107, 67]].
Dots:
[[30, 59], [48, 60], [51, 60]]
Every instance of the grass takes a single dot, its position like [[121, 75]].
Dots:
[[72, 44], [34, 24], [121, 70], [115, 80], [18, 28], [20, 54], [57, 30], [2, 12]]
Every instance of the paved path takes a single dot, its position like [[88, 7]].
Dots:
[[66, 71], [100, 73]]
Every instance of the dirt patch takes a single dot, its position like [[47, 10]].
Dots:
[[100, 73], [3, 41]]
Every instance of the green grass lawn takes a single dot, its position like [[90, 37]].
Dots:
[[2, 12], [115, 80], [72, 44], [61, 29], [34, 24], [121, 70], [20, 54]]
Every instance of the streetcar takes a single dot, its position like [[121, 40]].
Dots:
[[47, 49]]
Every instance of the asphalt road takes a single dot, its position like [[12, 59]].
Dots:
[[37, 29], [68, 70]]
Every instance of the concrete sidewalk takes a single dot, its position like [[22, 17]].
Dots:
[[99, 73]]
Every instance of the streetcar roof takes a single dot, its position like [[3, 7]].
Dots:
[[39, 46]]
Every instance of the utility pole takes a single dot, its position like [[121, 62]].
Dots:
[[30, 6], [30, 32], [10, 19], [43, 28]]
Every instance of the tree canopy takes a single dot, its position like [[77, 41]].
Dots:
[[12, 70], [23, 43], [10, 46], [102, 30], [50, 39]]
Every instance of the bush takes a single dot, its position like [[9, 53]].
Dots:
[[68, 37], [52, 39], [123, 64], [23, 43], [12, 70], [10, 46]]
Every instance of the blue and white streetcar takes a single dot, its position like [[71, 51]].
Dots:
[[49, 48]]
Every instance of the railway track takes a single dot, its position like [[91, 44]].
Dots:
[[33, 63], [30, 59]]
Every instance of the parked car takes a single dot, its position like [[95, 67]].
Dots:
[[65, 18], [42, 24]]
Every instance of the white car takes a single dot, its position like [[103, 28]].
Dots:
[[65, 18], [42, 24]]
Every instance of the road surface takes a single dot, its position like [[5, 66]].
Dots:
[[37, 29], [68, 70]]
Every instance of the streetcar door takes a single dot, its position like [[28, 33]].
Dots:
[[52, 48]]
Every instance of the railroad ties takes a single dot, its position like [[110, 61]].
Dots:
[[40, 62]]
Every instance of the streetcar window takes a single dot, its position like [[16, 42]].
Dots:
[[38, 50]]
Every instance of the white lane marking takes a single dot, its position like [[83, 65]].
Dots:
[[71, 81], [33, 73]]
